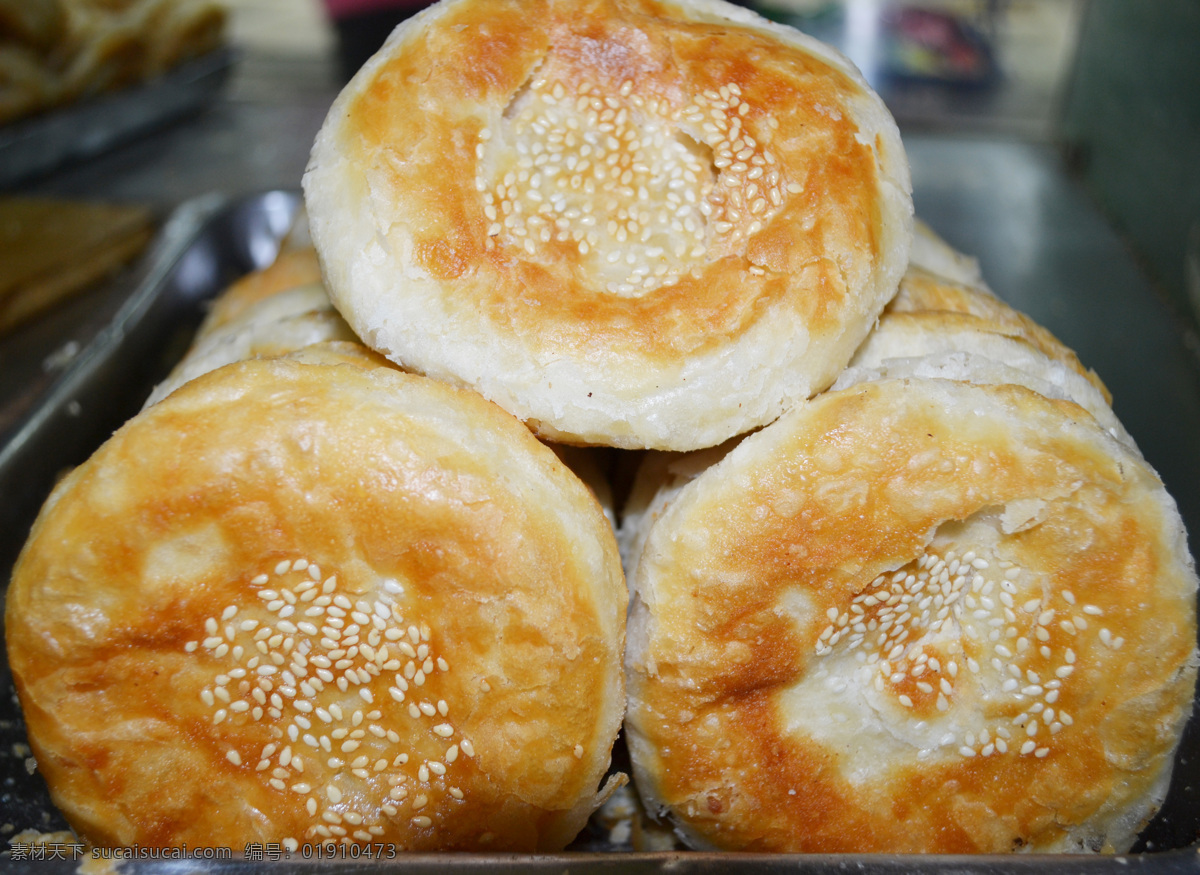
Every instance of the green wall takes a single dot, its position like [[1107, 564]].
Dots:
[[1133, 120]]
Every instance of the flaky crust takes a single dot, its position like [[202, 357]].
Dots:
[[932, 254], [913, 616], [921, 290], [996, 347], [291, 269], [283, 323], [276, 324], [296, 602], [629, 222]]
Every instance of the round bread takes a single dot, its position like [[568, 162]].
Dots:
[[629, 223], [912, 616], [921, 290], [274, 326], [303, 603], [291, 269], [939, 343]]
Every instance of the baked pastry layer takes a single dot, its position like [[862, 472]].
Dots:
[[239, 328], [922, 290], [911, 616], [979, 349], [292, 268], [320, 600], [628, 222]]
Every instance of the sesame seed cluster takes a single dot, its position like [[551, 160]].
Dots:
[[646, 192], [634, 225], [393, 619], [947, 619], [920, 600], [332, 678]]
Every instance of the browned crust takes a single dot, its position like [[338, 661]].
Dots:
[[514, 571], [922, 290], [291, 269], [420, 144], [851, 487]]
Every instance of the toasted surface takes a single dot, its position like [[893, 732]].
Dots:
[[298, 602], [629, 222], [913, 616]]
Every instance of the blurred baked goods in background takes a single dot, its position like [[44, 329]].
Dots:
[[54, 52], [51, 249]]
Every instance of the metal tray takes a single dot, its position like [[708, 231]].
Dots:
[[91, 374], [34, 146]]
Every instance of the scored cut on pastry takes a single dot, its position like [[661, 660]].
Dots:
[[911, 616], [314, 600], [629, 223]]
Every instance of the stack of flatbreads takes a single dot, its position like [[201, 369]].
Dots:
[[897, 578], [52, 248], [53, 52]]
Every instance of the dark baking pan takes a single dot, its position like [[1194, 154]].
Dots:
[[90, 376], [39, 144]]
